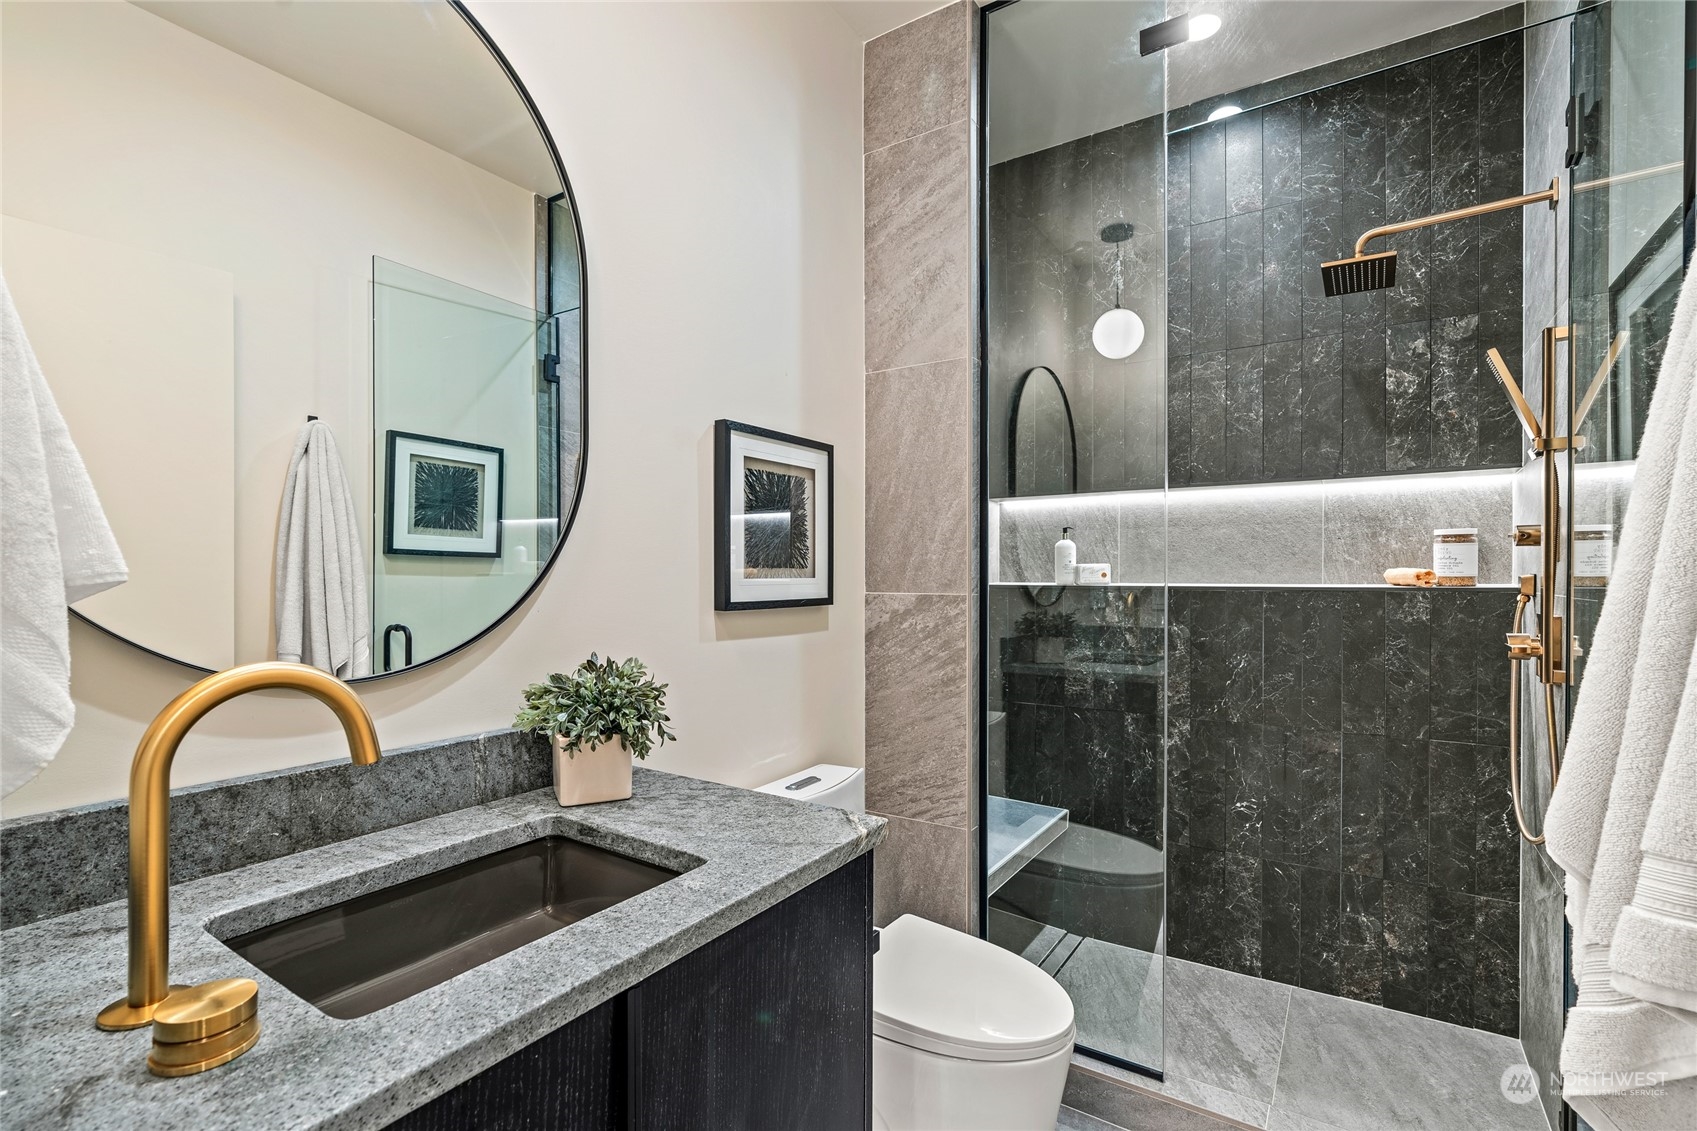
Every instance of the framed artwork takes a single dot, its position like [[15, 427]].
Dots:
[[441, 497], [772, 519]]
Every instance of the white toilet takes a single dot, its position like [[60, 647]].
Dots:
[[965, 1035]]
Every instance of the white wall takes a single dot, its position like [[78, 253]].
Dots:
[[715, 153]]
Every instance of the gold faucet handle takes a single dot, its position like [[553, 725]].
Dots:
[[201, 1027]]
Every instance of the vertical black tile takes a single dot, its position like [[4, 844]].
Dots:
[[1281, 411], [1246, 789], [1410, 299], [1319, 815], [1500, 262], [1496, 840], [1322, 659], [1361, 948], [1243, 280], [1496, 968], [1208, 761], [1240, 910], [1322, 142], [1287, 265], [1453, 269], [1363, 639], [1281, 160], [1408, 123], [1408, 923], [1455, 128], [1281, 668], [1209, 278], [1408, 397], [1181, 457], [1225, 648], [1208, 417], [1457, 394], [1243, 163], [1322, 405], [1408, 665], [1281, 922], [1178, 180], [1324, 237], [1243, 415], [1454, 953], [1364, 426], [1363, 820], [1500, 440], [1451, 838], [1407, 786], [1320, 931], [1180, 796], [1179, 331], [1207, 173]]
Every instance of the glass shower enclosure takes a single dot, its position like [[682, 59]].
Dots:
[[1226, 744]]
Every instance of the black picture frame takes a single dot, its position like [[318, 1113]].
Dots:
[[723, 473], [392, 437]]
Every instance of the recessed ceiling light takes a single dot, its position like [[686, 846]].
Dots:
[[1203, 25], [1224, 112]]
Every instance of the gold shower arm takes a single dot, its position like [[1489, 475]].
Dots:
[[1551, 194]]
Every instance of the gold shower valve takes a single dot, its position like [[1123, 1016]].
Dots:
[[1524, 646], [1532, 535]]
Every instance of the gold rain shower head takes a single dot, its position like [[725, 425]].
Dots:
[[1364, 272]]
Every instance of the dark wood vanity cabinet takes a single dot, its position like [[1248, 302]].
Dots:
[[766, 1028]]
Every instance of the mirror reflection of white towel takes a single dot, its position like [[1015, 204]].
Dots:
[[323, 618], [57, 549]]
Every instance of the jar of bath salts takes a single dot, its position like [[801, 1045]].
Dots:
[[1455, 556], [1593, 555]]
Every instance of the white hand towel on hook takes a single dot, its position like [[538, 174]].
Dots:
[[323, 618], [1633, 742], [58, 549]]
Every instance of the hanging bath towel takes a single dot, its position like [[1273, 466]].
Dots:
[[1623, 818], [322, 615], [58, 549]]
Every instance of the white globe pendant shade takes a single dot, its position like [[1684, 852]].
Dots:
[[1117, 333]]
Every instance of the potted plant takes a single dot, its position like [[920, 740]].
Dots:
[[598, 717]]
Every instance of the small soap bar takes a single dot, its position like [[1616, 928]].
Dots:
[[1094, 574]]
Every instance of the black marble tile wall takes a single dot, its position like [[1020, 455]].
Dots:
[[1270, 380], [1338, 795]]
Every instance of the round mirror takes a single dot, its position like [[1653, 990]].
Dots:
[[306, 281], [1042, 447]]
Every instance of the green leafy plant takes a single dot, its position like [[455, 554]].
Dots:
[[599, 701]]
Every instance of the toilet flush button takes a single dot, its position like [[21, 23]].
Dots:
[[803, 783]]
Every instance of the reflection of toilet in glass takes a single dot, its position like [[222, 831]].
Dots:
[[966, 1036], [1095, 883]]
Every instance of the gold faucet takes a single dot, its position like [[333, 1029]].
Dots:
[[199, 1027]]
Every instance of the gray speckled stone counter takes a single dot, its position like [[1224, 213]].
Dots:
[[745, 852]]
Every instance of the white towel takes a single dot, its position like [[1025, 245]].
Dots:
[[322, 615], [1633, 744], [57, 548]]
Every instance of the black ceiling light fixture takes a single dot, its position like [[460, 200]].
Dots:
[[1180, 29]]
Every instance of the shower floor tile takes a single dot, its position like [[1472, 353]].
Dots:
[[1265, 1055]]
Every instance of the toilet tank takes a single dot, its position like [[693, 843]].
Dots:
[[841, 787]]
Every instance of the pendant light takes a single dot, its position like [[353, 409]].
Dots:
[[1118, 332]]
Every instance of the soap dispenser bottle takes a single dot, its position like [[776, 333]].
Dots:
[[1066, 558]]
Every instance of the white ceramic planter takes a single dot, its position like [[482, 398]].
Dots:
[[590, 776]]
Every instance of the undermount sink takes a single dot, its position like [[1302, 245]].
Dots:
[[369, 952]]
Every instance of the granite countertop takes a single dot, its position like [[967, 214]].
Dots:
[[745, 852]]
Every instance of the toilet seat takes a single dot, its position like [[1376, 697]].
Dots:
[[949, 993]]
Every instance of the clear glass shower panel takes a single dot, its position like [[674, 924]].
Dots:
[[465, 421], [1075, 415]]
